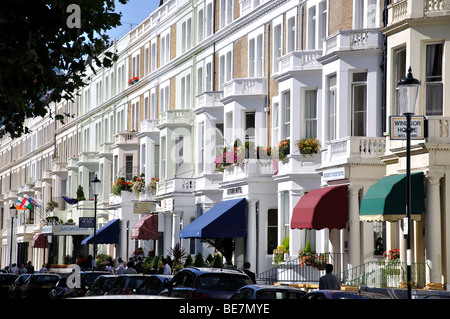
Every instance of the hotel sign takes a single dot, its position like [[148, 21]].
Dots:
[[142, 207], [397, 127]]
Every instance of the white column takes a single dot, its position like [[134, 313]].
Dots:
[[167, 236], [175, 228], [354, 236], [251, 234], [433, 229]]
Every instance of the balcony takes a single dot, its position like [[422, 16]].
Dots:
[[296, 163], [438, 130], [350, 40], [126, 138], [59, 167], [299, 61], [353, 149], [149, 126], [249, 168], [209, 101], [248, 87], [401, 11], [175, 185], [176, 117]]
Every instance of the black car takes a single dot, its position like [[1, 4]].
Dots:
[[205, 283], [101, 285], [6, 280], [60, 288], [87, 279], [126, 284], [152, 285], [38, 286], [268, 292], [13, 292]]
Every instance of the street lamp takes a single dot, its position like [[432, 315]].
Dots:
[[95, 184], [13, 212], [408, 92]]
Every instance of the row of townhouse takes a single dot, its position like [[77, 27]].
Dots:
[[198, 79]]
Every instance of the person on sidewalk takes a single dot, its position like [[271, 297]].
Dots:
[[329, 281], [249, 273]]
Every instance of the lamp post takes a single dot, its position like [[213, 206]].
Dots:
[[408, 92], [95, 183], [13, 212]]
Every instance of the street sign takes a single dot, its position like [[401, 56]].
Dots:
[[397, 127], [86, 222]]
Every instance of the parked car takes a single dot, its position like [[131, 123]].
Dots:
[[87, 279], [6, 280], [343, 294], [268, 292], [205, 283], [126, 284], [101, 285], [13, 292], [38, 286], [152, 285], [60, 288]]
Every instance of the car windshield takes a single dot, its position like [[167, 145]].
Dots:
[[7, 280], [89, 278], [223, 282], [273, 294], [46, 279], [134, 282]]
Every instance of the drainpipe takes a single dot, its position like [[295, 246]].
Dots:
[[267, 107], [384, 68]]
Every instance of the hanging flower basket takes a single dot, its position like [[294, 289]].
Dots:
[[308, 146], [133, 80]]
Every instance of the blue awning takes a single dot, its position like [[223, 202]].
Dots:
[[108, 234], [225, 220]]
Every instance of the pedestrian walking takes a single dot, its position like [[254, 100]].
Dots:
[[22, 270], [30, 268], [121, 267], [167, 270], [43, 269], [329, 281], [14, 269], [249, 273], [130, 268]]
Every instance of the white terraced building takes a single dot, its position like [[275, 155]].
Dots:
[[199, 77]]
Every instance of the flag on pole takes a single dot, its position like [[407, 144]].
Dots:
[[28, 204]]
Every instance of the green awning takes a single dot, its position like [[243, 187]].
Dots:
[[386, 199]]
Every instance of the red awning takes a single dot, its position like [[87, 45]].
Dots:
[[40, 241], [146, 228], [322, 208]]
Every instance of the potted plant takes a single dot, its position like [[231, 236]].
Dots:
[[283, 148], [51, 205], [121, 185], [308, 146], [138, 185], [80, 193], [151, 187]]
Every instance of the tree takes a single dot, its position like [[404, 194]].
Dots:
[[46, 47]]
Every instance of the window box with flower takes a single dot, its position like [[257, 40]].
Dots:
[[138, 187], [133, 80], [151, 187], [121, 184], [229, 157], [308, 146], [284, 148]]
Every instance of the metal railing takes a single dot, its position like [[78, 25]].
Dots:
[[371, 274], [384, 275], [297, 271]]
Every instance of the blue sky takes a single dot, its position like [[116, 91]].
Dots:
[[134, 12]]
